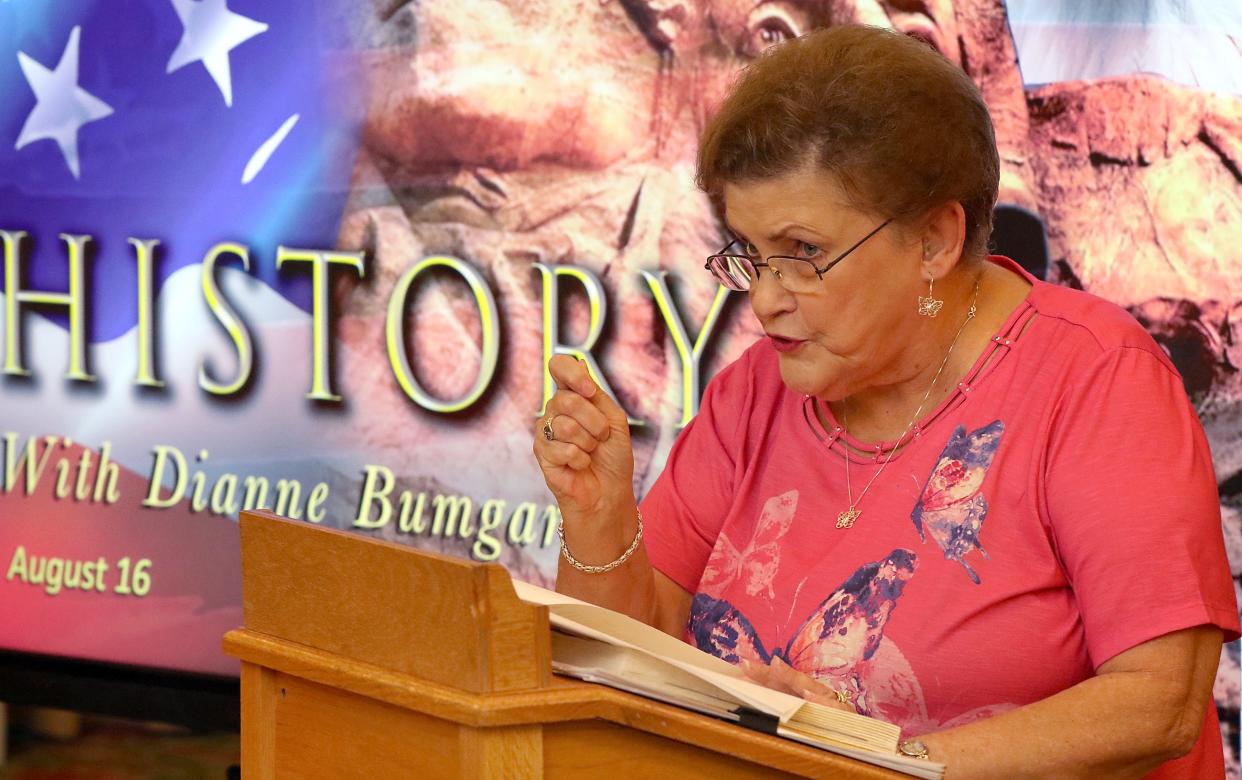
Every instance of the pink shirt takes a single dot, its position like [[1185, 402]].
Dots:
[[1058, 508]]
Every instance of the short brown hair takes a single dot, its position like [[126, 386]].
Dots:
[[901, 127]]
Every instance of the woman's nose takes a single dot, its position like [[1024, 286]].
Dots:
[[768, 297]]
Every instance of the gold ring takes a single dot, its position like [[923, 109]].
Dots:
[[547, 430], [845, 697]]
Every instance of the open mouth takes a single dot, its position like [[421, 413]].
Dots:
[[783, 344]]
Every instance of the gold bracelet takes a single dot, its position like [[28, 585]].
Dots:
[[607, 567]]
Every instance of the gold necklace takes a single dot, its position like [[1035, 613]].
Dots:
[[846, 519]]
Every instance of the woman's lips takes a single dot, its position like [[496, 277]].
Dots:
[[783, 344]]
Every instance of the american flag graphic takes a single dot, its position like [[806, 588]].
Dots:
[[188, 121]]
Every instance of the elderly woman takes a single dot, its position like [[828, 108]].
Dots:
[[941, 492]]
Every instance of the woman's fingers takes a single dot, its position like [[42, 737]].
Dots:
[[787, 678], [577, 429], [582, 442], [756, 672], [561, 453], [826, 698], [782, 677], [567, 404], [567, 429], [572, 375]]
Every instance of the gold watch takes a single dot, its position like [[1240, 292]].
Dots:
[[913, 748]]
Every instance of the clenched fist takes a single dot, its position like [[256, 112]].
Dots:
[[587, 462]]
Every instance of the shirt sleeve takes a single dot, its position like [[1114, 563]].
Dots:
[[685, 509], [1131, 499]]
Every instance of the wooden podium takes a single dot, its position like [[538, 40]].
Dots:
[[364, 658]]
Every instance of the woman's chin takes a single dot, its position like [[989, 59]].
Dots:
[[803, 382]]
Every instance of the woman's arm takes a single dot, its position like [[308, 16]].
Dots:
[[1145, 706], [1136, 528], [635, 588]]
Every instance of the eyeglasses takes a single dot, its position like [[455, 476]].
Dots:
[[796, 274]]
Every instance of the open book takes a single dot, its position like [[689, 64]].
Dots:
[[598, 645]]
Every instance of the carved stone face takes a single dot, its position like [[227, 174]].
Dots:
[[507, 85], [569, 130]]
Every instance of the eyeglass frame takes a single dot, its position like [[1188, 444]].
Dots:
[[819, 272]]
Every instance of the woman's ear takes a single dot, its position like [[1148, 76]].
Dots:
[[944, 239]]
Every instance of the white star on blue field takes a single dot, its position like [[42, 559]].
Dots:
[[192, 122], [63, 106], [211, 32]]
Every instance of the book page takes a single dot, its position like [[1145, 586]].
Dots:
[[626, 628], [637, 671], [781, 705]]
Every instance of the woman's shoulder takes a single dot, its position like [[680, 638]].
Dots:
[[1087, 324]]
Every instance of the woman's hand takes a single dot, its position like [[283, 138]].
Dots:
[[780, 676], [589, 465]]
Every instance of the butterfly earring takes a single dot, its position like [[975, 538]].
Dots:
[[929, 305]]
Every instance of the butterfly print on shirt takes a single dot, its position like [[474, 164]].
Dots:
[[756, 563], [951, 507], [841, 633]]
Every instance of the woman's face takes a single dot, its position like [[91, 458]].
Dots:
[[848, 333]]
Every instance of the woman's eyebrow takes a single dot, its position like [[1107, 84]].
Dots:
[[788, 228], [783, 233]]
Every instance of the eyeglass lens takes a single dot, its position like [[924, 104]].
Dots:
[[738, 273], [732, 271]]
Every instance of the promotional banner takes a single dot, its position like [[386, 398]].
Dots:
[[314, 257]]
